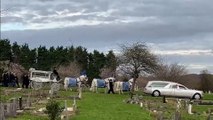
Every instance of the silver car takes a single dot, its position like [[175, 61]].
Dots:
[[166, 88]]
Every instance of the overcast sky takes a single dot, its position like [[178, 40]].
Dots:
[[179, 31]]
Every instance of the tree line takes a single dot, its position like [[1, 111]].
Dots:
[[133, 61], [43, 58]]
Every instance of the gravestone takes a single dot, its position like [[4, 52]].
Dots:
[[28, 101], [190, 108], [55, 87], [178, 106], [37, 85], [65, 104], [14, 107], [177, 115], [2, 115]]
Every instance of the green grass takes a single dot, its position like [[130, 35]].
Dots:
[[208, 97], [28, 116], [108, 107], [101, 106]]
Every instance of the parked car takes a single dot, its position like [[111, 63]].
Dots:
[[166, 88]]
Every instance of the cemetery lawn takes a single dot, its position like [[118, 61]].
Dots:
[[100, 106], [109, 107], [94, 106]]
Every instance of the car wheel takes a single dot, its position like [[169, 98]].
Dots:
[[156, 93], [197, 96]]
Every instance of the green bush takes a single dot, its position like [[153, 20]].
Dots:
[[53, 109]]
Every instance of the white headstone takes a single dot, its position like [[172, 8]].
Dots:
[[190, 109], [141, 104]]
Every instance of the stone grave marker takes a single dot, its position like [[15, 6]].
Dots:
[[55, 87]]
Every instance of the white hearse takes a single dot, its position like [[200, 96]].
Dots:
[[39, 77], [173, 89]]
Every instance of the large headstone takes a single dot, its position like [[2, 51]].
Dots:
[[36, 85], [2, 115], [55, 87]]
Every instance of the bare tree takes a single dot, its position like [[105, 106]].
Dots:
[[73, 69], [107, 72], [172, 72], [135, 60], [206, 79]]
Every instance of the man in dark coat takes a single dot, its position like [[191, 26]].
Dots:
[[56, 74], [5, 79], [12, 80], [111, 86], [26, 81]]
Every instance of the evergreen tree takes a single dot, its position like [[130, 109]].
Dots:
[[27, 57], [16, 52], [5, 50], [43, 60], [71, 53], [81, 57], [97, 61], [111, 61]]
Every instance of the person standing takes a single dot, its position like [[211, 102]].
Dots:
[[12, 80], [56, 74], [16, 80], [5, 79], [26, 81], [111, 84]]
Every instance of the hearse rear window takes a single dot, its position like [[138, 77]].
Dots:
[[159, 84]]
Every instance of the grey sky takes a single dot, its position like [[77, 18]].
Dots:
[[180, 31]]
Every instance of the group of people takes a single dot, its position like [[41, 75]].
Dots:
[[10, 79]]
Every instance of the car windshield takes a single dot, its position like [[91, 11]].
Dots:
[[158, 84]]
